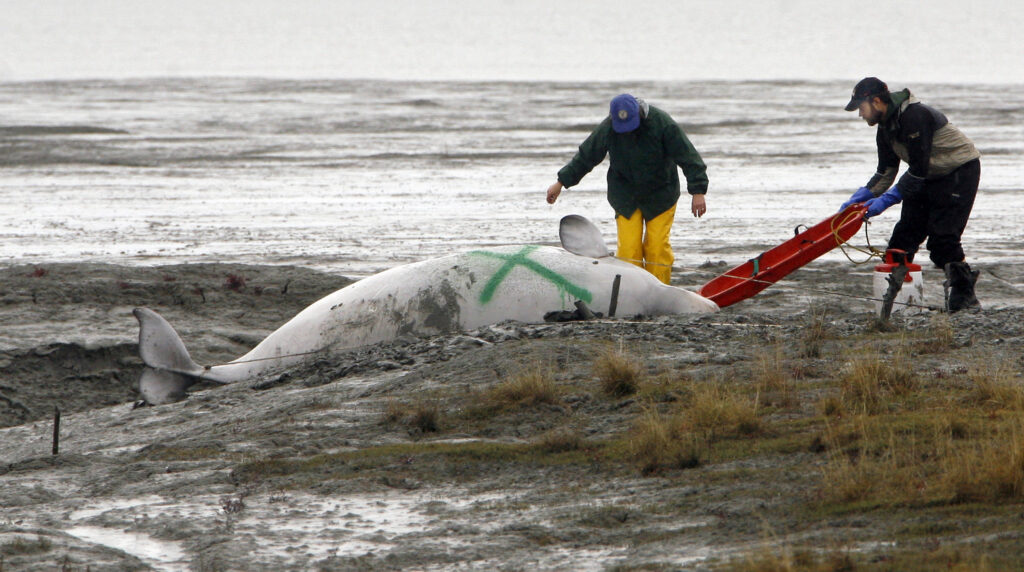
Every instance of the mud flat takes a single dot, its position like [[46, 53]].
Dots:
[[791, 429]]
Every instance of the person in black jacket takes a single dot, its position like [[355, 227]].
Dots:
[[937, 190]]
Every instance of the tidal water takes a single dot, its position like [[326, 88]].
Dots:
[[354, 177]]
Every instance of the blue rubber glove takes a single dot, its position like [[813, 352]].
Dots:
[[886, 200], [860, 195]]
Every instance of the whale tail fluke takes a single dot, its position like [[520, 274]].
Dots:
[[161, 348], [158, 386]]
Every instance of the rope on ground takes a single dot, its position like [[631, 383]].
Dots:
[[642, 263], [282, 356]]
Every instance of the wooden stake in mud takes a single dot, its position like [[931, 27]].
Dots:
[[56, 429]]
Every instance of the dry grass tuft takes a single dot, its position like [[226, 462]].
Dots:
[[426, 417], [880, 326], [770, 372], [527, 388], [561, 440], [682, 438], [990, 470], [667, 387], [815, 332], [423, 416], [882, 465], [937, 337], [934, 457], [994, 385], [773, 381], [394, 411], [870, 378], [619, 373], [20, 546], [831, 406], [952, 426], [720, 410], [953, 558], [784, 560], [661, 442]]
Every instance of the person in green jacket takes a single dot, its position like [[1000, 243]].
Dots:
[[645, 146]]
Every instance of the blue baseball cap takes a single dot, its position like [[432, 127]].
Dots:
[[625, 112]]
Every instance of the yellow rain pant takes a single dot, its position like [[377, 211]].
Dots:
[[651, 250]]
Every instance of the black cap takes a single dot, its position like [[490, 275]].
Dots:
[[866, 89]]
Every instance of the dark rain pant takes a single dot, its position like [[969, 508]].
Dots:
[[939, 212]]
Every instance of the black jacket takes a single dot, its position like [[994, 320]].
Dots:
[[922, 137]]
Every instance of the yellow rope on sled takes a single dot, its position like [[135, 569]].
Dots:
[[871, 251]]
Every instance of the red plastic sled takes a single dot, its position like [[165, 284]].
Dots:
[[772, 265]]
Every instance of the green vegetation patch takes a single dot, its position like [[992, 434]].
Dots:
[[20, 546], [427, 461]]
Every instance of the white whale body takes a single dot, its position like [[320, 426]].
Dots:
[[453, 293]]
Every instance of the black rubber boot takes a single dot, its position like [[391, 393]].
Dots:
[[959, 285]]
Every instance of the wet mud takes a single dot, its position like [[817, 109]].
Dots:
[[267, 474]]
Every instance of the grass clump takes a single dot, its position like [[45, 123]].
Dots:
[[426, 417], [611, 516], [20, 546], [423, 416], [989, 470], [769, 369], [871, 379], [831, 406], [994, 386], [662, 442], [785, 559], [936, 337], [877, 464], [719, 410], [619, 373], [561, 440], [956, 558], [928, 458], [816, 330], [771, 378], [430, 461], [683, 437], [524, 389]]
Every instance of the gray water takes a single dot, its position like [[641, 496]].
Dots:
[[354, 177]]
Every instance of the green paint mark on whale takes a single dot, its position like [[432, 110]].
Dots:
[[521, 258]]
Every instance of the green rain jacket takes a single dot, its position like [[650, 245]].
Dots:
[[642, 173]]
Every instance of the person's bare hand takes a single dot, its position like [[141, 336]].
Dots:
[[697, 205], [553, 192]]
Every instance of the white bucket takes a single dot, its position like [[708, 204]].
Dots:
[[912, 291]]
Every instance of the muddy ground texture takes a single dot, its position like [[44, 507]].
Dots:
[[328, 467]]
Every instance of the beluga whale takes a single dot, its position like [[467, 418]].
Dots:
[[454, 293]]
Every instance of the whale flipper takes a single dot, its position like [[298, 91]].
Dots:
[[580, 236], [160, 347]]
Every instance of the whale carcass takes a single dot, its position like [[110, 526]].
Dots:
[[459, 292]]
